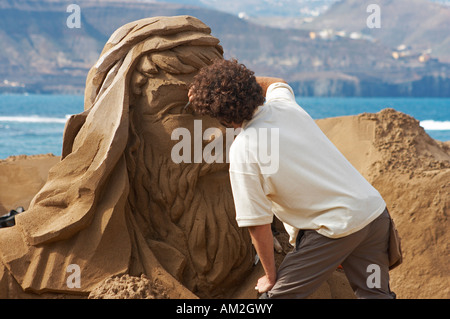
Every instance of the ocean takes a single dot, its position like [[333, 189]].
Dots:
[[34, 124]]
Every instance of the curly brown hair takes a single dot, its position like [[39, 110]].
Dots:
[[226, 90]]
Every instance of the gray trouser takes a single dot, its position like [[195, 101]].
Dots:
[[363, 255]]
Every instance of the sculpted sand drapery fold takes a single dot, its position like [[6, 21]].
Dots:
[[116, 203]]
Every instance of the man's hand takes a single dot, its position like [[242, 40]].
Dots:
[[264, 284], [262, 239]]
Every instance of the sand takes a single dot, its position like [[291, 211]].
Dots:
[[411, 171], [129, 287], [21, 177]]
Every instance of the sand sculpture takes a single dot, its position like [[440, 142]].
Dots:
[[116, 203]]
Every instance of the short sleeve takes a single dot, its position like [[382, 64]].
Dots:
[[252, 206], [280, 90]]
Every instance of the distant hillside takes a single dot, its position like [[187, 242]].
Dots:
[[39, 53], [263, 8], [269, 8], [420, 25], [276, 13]]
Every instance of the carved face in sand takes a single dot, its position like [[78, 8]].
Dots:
[[187, 208]]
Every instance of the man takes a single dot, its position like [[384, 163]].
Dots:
[[332, 214]]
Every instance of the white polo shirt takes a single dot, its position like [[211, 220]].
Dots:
[[282, 163]]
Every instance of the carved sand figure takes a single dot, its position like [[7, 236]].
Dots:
[[117, 203]]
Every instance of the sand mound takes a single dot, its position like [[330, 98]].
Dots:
[[129, 287], [412, 172], [21, 177]]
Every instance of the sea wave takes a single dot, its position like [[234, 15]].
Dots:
[[33, 119], [431, 125]]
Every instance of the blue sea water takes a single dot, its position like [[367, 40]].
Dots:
[[34, 124]]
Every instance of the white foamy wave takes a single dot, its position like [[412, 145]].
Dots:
[[33, 119], [432, 125]]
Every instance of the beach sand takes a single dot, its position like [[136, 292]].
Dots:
[[389, 148]]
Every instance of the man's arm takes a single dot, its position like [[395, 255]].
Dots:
[[265, 82], [262, 239]]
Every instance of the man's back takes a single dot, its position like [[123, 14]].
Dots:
[[313, 187]]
